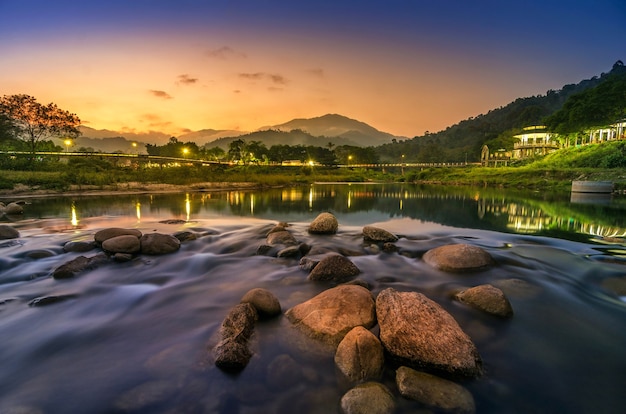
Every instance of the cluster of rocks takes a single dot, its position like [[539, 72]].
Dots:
[[415, 333]]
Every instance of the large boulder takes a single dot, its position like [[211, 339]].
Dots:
[[13, 209], [487, 298], [78, 265], [8, 232], [105, 234], [375, 234], [434, 392], [421, 334], [281, 237], [334, 268], [368, 398], [158, 243], [359, 355], [458, 258], [330, 315], [232, 352], [122, 244], [324, 223]]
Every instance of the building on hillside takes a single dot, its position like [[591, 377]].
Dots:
[[533, 141], [500, 157], [612, 132]]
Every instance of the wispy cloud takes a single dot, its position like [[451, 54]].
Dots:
[[272, 77], [317, 72], [224, 53], [160, 94], [185, 79]]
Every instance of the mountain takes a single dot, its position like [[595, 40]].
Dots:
[[338, 126], [150, 137], [293, 137], [209, 135]]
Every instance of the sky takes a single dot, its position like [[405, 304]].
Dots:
[[403, 67]]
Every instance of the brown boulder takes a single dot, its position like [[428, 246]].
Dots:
[[334, 268], [265, 303], [232, 352], [158, 243], [376, 234], [420, 333], [458, 258], [281, 237], [487, 298], [105, 234], [122, 244], [324, 223], [359, 355], [368, 398], [8, 232], [330, 315], [434, 392]]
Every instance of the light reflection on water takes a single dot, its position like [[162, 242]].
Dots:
[[141, 329]]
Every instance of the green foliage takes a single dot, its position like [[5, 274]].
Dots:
[[605, 155]]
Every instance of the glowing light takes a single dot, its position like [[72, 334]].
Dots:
[[349, 199], [68, 143], [138, 210], [311, 198], [187, 206], [74, 217], [252, 204]]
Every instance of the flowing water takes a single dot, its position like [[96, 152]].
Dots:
[[137, 336]]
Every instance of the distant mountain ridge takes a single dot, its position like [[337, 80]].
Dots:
[[318, 131]]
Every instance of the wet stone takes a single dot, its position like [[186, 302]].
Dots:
[[375, 234], [122, 244], [458, 258], [232, 352], [8, 232], [359, 355], [13, 209], [185, 236], [105, 234], [78, 246], [78, 265], [158, 243], [49, 300], [281, 237], [264, 301], [368, 398], [334, 268], [324, 223], [487, 298]]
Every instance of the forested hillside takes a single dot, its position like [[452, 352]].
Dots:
[[464, 140]]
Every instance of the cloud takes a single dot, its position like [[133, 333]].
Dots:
[[186, 79], [160, 94], [272, 77], [317, 72], [224, 53]]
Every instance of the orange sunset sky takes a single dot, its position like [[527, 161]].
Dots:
[[404, 67]]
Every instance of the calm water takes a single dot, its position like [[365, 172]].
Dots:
[[136, 336]]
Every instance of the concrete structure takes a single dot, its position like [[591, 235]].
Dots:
[[534, 141]]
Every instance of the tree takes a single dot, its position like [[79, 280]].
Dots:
[[34, 122]]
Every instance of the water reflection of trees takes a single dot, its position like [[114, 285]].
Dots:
[[458, 206]]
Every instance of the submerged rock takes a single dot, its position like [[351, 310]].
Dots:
[[13, 209], [458, 258], [434, 392], [158, 243], [330, 315], [281, 237], [8, 232], [368, 398], [324, 223], [49, 300], [487, 298], [375, 234], [359, 355], [79, 264], [78, 246], [334, 268], [420, 333]]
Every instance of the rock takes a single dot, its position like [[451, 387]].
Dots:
[[291, 251], [307, 264], [232, 353], [122, 257], [458, 258], [276, 228], [281, 237], [421, 334], [435, 392], [330, 315], [122, 244], [185, 236], [359, 355], [77, 265], [265, 303], [325, 223], [487, 298], [158, 243], [375, 234], [390, 248], [105, 234], [13, 209], [8, 232], [78, 246], [334, 268], [142, 397], [368, 398], [39, 254]]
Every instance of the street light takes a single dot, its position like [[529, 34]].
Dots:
[[68, 143], [185, 152]]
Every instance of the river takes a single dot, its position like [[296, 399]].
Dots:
[[137, 336]]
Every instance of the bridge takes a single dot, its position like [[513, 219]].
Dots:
[[158, 159]]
